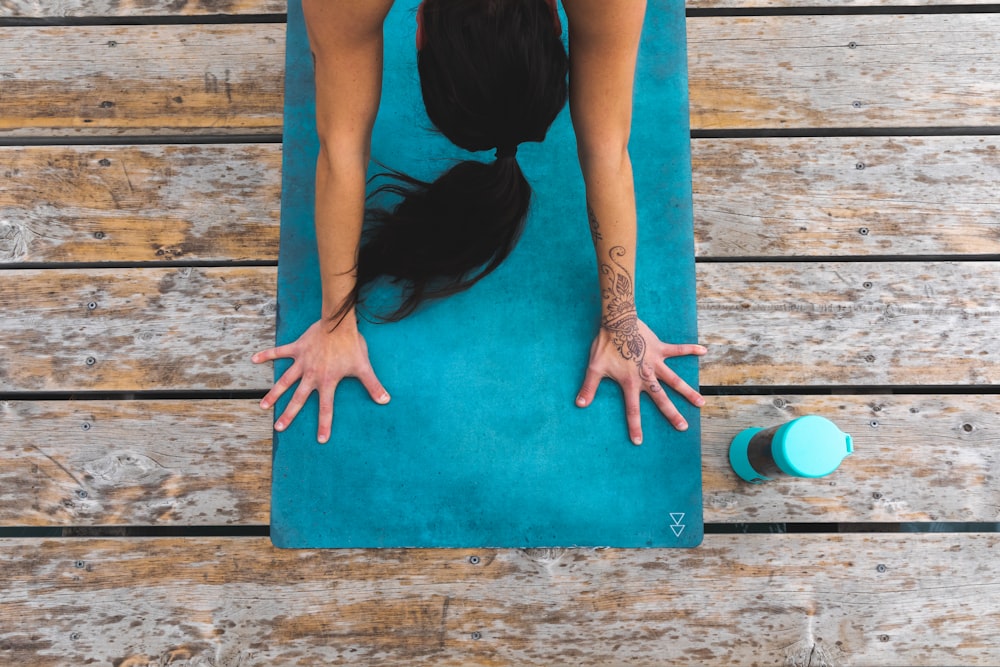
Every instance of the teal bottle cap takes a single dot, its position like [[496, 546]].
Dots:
[[810, 446]]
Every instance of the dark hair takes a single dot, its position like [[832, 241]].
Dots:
[[493, 75]]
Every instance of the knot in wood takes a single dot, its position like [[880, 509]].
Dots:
[[14, 241]]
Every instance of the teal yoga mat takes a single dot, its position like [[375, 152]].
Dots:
[[482, 444]]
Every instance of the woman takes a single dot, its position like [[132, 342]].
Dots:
[[492, 76]]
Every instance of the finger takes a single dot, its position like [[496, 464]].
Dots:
[[591, 381], [666, 407], [293, 407], [281, 352], [375, 389], [632, 417], [675, 382], [670, 350], [325, 414], [287, 379]]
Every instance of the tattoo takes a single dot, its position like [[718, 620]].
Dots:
[[620, 318], [595, 235]]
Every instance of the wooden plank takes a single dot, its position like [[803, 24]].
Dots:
[[918, 70], [140, 203], [186, 462], [850, 323], [739, 599], [843, 323], [916, 458], [817, 196], [170, 462], [778, 71], [105, 329], [753, 197], [135, 8], [141, 80]]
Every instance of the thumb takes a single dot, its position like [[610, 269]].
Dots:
[[588, 389]]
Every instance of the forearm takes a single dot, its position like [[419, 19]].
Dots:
[[612, 217], [346, 41], [604, 43], [340, 203]]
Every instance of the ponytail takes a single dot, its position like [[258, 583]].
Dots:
[[493, 75], [443, 237]]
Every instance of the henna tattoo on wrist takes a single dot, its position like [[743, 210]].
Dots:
[[620, 318]]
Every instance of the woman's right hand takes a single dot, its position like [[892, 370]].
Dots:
[[322, 358]]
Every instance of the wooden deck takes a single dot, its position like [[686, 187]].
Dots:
[[846, 161]]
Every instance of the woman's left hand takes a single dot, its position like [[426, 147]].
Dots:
[[633, 357]]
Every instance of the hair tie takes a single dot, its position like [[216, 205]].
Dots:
[[506, 151]]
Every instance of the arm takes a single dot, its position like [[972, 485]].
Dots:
[[604, 43], [346, 41]]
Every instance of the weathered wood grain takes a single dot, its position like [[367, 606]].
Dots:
[[169, 462], [139, 203], [191, 328], [136, 8], [904, 323], [783, 71], [739, 599], [848, 323], [753, 197], [917, 458], [818, 196], [184, 463], [918, 70], [146, 80]]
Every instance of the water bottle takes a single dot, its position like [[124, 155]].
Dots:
[[809, 446]]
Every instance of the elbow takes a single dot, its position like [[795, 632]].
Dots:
[[608, 157], [339, 157]]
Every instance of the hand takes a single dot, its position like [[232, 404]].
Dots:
[[322, 359], [632, 356]]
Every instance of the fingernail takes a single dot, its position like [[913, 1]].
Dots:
[[637, 441], [682, 426], [322, 439], [255, 358], [279, 427], [581, 401], [700, 402], [264, 405], [384, 398]]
